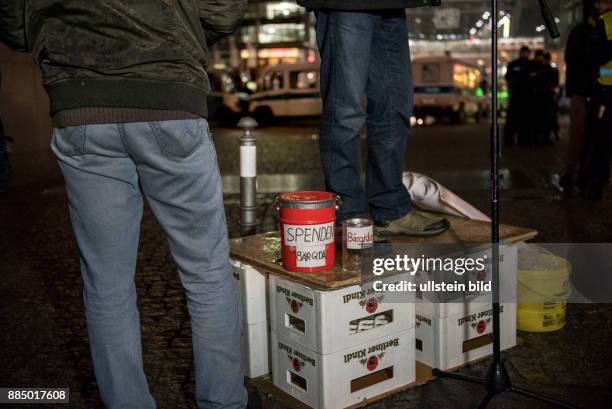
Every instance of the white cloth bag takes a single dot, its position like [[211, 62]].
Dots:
[[429, 195]]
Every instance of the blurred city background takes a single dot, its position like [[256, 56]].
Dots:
[[281, 32]]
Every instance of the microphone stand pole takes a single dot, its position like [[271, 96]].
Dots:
[[497, 380]]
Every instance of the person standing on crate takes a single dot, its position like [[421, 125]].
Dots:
[[127, 85], [365, 56], [597, 169]]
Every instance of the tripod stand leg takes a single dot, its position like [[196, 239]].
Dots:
[[460, 377], [485, 401], [541, 398]]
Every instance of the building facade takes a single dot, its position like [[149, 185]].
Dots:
[[272, 32]]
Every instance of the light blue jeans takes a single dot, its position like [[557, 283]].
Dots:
[[108, 169]]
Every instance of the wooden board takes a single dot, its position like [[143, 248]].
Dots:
[[262, 251]]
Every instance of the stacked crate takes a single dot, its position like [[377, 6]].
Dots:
[[334, 348], [451, 334], [252, 287]]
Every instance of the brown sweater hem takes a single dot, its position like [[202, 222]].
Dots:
[[101, 115]]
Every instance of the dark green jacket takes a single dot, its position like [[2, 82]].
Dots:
[[149, 54], [362, 4]]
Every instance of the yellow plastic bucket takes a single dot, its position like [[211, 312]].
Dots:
[[543, 288]]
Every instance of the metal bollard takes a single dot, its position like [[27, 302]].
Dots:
[[248, 177]]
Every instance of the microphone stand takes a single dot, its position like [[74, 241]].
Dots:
[[497, 380]]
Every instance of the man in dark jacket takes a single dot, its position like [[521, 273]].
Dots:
[[517, 77], [127, 85], [538, 115], [596, 174], [578, 87], [364, 55], [552, 81]]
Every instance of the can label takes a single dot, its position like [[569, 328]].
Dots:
[[308, 242], [358, 238]]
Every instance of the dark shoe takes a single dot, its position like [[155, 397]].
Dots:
[[415, 223]]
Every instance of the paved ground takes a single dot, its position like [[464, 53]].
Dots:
[[43, 338]]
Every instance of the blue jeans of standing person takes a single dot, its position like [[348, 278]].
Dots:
[[109, 169], [366, 78]]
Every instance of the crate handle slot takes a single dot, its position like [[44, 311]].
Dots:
[[295, 323], [477, 342], [297, 381], [371, 379]]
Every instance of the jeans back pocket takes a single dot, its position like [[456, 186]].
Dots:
[[69, 141], [179, 138]]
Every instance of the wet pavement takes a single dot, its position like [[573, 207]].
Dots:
[[44, 341]]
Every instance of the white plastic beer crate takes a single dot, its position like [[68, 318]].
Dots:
[[508, 265], [329, 321], [346, 377], [255, 349], [454, 340], [252, 291]]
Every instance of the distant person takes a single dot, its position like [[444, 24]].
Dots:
[[127, 85], [578, 87], [539, 107], [364, 55], [597, 168], [552, 81], [518, 115]]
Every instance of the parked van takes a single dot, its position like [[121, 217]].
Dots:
[[286, 90], [446, 88]]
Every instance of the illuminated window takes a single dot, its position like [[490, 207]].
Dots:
[[283, 9], [281, 33], [465, 76], [303, 79], [273, 81]]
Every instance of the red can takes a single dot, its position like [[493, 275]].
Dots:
[[308, 230]]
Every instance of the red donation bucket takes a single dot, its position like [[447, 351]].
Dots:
[[308, 230]]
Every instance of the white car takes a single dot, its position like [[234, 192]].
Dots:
[[286, 91]]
